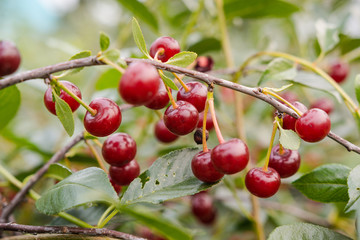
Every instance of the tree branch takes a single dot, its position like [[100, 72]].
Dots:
[[67, 230]]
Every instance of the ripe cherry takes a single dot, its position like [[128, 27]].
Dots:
[[167, 47], [119, 149], [203, 169], [163, 134], [209, 122], [324, 104], [198, 135], [204, 64], [339, 71], [181, 120], [106, 120], [196, 95], [262, 183], [139, 84], [289, 121], [286, 163], [161, 98], [124, 175], [313, 125], [116, 187], [202, 207], [230, 157], [73, 104], [9, 58]]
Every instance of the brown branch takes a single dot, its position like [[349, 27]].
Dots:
[[29, 184], [68, 230]]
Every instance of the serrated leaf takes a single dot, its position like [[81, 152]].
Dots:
[[168, 82], [289, 139], [305, 231], [104, 41], [357, 87], [85, 186], [79, 55], [327, 183], [108, 79], [58, 171], [9, 104], [139, 37], [169, 177], [182, 59], [327, 35], [278, 69], [113, 55], [64, 113], [353, 183]]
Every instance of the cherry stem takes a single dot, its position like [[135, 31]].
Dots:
[[110, 63], [160, 51], [97, 142], [181, 82], [105, 214], [267, 91], [97, 156], [159, 114], [210, 100], [265, 168], [173, 103], [205, 148]]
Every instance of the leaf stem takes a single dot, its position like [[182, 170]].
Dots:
[[105, 214], [97, 142], [181, 82], [173, 103], [97, 156], [267, 91], [267, 159], [205, 148], [108, 218], [110, 63], [210, 100]]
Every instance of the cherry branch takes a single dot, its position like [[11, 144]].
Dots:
[[67, 230]]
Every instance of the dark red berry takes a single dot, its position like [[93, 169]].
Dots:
[[230, 157], [116, 187], [106, 120], [167, 47], [209, 122], [196, 95], [313, 125], [204, 64], [289, 121], [73, 104], [124, 175], [203, 208], [285, 163], [163, 134], [181, 120], [198, 135], [262, 183], [203, 169], [161, 98], [119, 149], [139, 84], [324, 104], [339, 71], [9, 58]]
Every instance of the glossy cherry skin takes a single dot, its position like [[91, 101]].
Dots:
[[313, 125], [181, 120], [287, 163], [124, 175], [73, 104], [204, 64], [324, 104], [203, 169], [289, 121], [339, 71], [262, 183], [209, 122], [196, 95], [202, 207], [139, 84], [169, 45], [161, 98], [119, 149], [163, 134], [231, 156], [106, 120], [9, 58]]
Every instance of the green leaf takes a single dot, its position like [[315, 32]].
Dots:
[[327, 35], [168, 82], [278, 69], [305, 231], [108, 79], [139, 37], [289, 139], [9, 104], [104, 41], [353, 183], [85, 186], [156, 222], [182, 59], [113, 55], [58, 171], [64, 113], [168, 177], [205, 45], [141, 11], [79, 55], [325, 184], [357, 87]]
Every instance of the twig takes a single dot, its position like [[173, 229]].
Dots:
[[21, 194], [67, 230]]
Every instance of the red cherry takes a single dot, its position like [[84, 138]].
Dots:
[[204, 64], [161, 98], [324, 104], [139, 84], [313, 125], [339, 71], [73, 104], [289, 96], [209, 122], [169, 45], [262, 183], [230, 157], [9, 58], [287, 163], [119, 149], [203, 208], [116, 187], [124, 175], [289, 121], [181, 120], [106, 120], [163, 134], [203, 169], [196, 95]]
